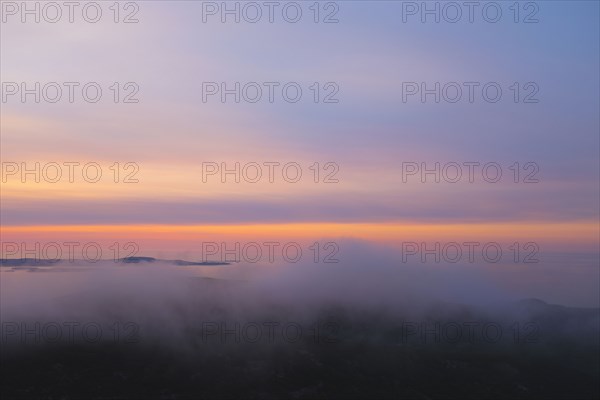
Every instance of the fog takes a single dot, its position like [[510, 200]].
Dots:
[[181, 306]]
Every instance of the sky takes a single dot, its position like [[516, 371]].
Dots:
[[167, 144]]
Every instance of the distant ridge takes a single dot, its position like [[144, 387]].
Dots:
[[28, 262], [34, 262]]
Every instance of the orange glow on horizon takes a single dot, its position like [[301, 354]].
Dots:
[[569, 233]]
